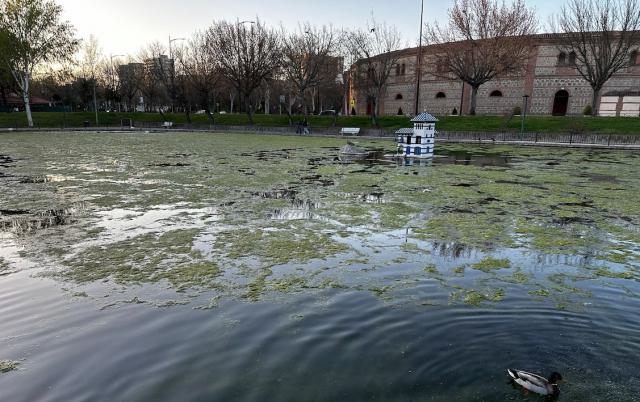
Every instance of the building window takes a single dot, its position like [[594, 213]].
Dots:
[[399, 97], [633, 58], [418, 140], [496, 94], [398, 69], [418, 151], [404, 69], [572, 58], [562, 59], [441, 95]]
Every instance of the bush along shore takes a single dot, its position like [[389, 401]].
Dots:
[[492, 124]]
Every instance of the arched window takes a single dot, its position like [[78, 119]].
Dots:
[[441, 95], [404, 69], [562, 59], [398, 69], [496, 94], [399, 97], [572, 58], [633, 58]]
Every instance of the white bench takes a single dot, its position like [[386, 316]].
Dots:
[[167, 124], [349, 131]]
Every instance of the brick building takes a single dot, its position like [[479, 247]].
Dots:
[[553, 85]]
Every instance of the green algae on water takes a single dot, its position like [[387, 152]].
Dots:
[[475, 297], [490, 264]]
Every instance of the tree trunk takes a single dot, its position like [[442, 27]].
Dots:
[[233, 98], [374, 113], [305, 108], [594, 101], [474, 100], [249, 111], [25, 98]]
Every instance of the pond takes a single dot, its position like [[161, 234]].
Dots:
[[192, 266]]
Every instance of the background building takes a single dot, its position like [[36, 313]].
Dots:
[[550, 80]]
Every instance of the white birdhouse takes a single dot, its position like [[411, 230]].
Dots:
[[419, 141]]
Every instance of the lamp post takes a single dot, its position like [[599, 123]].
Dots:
[[419, 69], [172, 71], [525, 103]]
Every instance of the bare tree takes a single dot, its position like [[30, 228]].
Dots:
[[90, 66], [376, 52], [306, 55], [155, 83], [482, 40], [7, 83], [246, 55], [37, 36], [602, 34], [130, 80], [197, 61]]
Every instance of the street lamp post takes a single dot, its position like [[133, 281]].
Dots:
[[173, 70], [419, 69], [525, 102]]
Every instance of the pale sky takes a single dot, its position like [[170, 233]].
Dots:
[[125, 26]]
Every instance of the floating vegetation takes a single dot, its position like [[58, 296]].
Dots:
[[490, 264], [286, 209], [607, 273], [22, 221], [475, 297], [8, 365]]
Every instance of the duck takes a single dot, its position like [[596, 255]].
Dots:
[[536, 383]]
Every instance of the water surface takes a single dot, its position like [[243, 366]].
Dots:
[[235, 267]]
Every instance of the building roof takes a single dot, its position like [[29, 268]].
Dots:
[[16, 100], [405, 131], [424, 118]]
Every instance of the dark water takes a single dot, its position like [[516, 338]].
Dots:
[[389, 332]]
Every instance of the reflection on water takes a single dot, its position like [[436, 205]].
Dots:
[[469, 158]]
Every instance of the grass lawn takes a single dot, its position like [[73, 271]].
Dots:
[[606, 125]]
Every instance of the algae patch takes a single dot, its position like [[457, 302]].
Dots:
[[8, 365], [490, 264], [475, 297]]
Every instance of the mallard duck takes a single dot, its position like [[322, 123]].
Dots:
[[536, 383]]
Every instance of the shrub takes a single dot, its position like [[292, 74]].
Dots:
[[587, 111]]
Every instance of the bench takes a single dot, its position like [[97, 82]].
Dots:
[[167, 124], [349, 131]]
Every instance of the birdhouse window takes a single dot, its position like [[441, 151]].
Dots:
[[441, 95]]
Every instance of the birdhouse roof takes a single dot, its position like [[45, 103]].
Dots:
[[405, 131], [424, 118]]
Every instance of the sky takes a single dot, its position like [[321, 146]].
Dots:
[[123, 27]]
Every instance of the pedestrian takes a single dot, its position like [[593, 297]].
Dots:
[[305, 126]]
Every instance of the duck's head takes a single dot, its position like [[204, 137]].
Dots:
[[555, 378]]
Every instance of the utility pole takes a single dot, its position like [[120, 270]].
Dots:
[[419, 68]]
